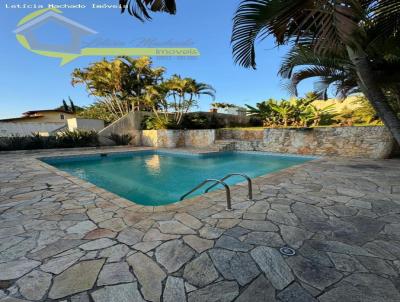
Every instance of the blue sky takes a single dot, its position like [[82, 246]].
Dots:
[[29, 81]]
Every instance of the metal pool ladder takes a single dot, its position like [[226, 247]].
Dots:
[[227, 189]]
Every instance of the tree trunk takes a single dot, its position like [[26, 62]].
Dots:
[[374, 93]]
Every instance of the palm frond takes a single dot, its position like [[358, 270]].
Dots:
[[140, 8]]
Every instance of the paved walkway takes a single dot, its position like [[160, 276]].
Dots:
[[67, 240]]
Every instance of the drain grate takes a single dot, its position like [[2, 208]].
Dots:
[[287, 251]]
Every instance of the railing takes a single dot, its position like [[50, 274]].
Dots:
[[216, 181], [250, 185]]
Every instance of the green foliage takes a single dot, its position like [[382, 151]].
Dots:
[[223, 105], [297, 112], [98, 111], [200, 120], [77, 138], [121, 139], [119, 84], [364, 113], [66, 139]]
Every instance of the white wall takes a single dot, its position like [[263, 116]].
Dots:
[[85, 124], [24, 129]]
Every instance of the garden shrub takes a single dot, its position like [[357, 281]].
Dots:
[[121, 139], [65, 139]]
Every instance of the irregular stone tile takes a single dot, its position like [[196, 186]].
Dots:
[[293, 236], [200, 271], [224, 291], [82, 228], [174, 227], [15, 269], [313, 274], [316, 256], [283, 218], [11, 231], [78, 278], [146, 246], [366, 229], [189, 220], [346, 263], [115, 273], [174, 290], [97, 244], [233, 244], [18, 250], [100, 233], [391, 246], [130, 236], [382, 207], [340, 210], [83, 297], [149, 274], [156, 235], [306, 212], [234, 266], [60, 264], [198, 244], [259, 290], [236, 232], [254, 216], [339, 247], [273, 265], [264, 238], [208, 232], [259, 207], [359, 204], [295, 292], [227, 223], [173, 255], [393, 230], [115, 253], [34, 285], [113, 224], [98, 215], [375, 265], [362, 287], [118, 293], [262, 226], [13, 240]]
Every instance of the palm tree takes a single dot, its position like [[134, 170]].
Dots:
[[140, 8], [344, 28], [184, 93]]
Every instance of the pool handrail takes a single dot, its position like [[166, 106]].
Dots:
[[216, 181], [249, 183]]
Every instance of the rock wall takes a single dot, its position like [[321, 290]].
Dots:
[[239, 134], [366, 142], [178, 138], [369, 142]]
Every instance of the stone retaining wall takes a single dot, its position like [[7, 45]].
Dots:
[[240, 134], [370, 142], [178, 138], [365, 142]]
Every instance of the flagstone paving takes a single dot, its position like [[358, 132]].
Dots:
[[63, 239]]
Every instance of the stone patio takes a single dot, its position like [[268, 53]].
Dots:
[[64, 239]]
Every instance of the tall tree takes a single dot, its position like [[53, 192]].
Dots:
[[326, 27], [118, 84]]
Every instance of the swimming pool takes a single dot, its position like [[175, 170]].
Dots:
[[157, 177]]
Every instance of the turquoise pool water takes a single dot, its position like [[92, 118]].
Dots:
[[159, 177]]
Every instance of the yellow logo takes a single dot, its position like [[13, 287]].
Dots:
[[25, 33]]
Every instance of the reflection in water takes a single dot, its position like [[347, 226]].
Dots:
[[81, 173], [153, 164]]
